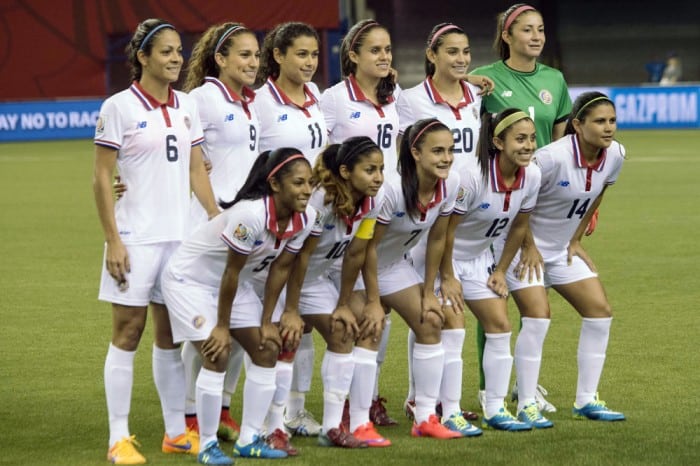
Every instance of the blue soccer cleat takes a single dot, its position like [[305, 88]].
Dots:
[[504, 420], [457, 423], [532, 415], [212, 454], [597, 411], [258, 448]]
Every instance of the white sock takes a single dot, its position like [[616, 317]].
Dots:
[[208, 404], [381, 354], [336, 371], [301, 378], [528, 358], [451, 386], [169, 376], [233, 373], [498, 364], [192, 361], [119, 378], [411, 340], [428, 361], [283, 380], [258, 390], [592, 345], [361, 386]]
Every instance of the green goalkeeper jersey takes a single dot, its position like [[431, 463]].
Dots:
[[541, 93]]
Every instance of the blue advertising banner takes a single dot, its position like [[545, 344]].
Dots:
[[34, 121]]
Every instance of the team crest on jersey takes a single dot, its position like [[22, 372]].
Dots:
[[241, 233], [198, 321], [188, 122], [546, 97], [461, 195], [100, 125]]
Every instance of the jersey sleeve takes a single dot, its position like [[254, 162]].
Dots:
[[467, 192], [619, 151], [403, 107], [532, 188], [453, 184], [543, 159], [195, 124], [388, 205], [109, 131], [328, 108], [202, 108], [242, 229]]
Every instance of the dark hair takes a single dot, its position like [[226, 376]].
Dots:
[[327, 170], [280, 37], [414, 136], [434, 42], [202, 62], [353, 40], [583, 105], [499, 45], [257, 184], [485, 148], [143, 40]]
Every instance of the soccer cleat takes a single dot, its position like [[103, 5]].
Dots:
[[468, 415], [125, 452], [504, 420], [303, 424], [532, 415], [542, 404], [337, 437], [597, 411], [212, 454], [345, 420], [457, 423], [229, 430], [378, 414], [257, 449], [280, 441], [433, 428], [368, 434], [409, 407], [183, 443]]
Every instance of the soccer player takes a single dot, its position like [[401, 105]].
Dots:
[[417, 204], [152, 134], [224, 282], [576, 171], [347, 195], [539, 90], [288, 108], [221, 70], [495, 202]]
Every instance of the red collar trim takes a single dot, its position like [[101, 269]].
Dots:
[[440, 194], [581, 161], [282, 98], [150, 102], [356, 94], [295, 225], [366, 205], [497, 184], [436, 98], [231, 95]]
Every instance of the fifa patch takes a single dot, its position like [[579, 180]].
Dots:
[[282, 117], [354, 115], [546, 97], [198, 321], [484, 205], [319, 220], [241, 233], [188, 123], [100, 125]]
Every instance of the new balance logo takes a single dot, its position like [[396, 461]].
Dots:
[[564, 183], [507, 93], [141, 124], [282, 117], [484, 205], [229, 117], [354, 115]]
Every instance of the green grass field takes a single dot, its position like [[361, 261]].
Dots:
[[54, 332]]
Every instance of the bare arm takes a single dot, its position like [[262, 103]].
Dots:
[[433, 258], [199, 180], [451, 287], [558, 130], [516, 236]]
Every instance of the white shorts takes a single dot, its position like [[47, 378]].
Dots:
[[147, 263], [397, 276], [513, 278], [558, 272], [474, 274], [318, 297]]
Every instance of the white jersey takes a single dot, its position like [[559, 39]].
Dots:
[[231, 130], [569, 187], [489, 207], [348, 112], [154, 142], [249, 227], [335, 232], [285, 124], [424, 101], [404, 232]]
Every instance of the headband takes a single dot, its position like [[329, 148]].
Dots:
[[153, 31], [441, 31], [282, 164], [359, 31], [420, 133], [509, 120], [508, 20], [226, 35], [597, 99], [362, 146]]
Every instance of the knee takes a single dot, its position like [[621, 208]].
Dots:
[[429, 330], [127, 336], [266, 357]]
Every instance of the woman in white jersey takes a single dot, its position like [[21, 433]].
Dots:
[[221, 70], [224, 281], [288, 107], [446, 95], [576, 171], [152, 134]]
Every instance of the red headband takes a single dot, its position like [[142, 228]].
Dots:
[[508, 21], [282, 164], [415, 139], [357, 34], [440, 32]]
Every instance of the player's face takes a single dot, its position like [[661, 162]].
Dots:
[[367, 175], [527, 35], [436, 154], [518, 144], [597, 130], [239, 67], [453, 57], [374, 57], [165, 61], [295, 187], [299, 64]]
